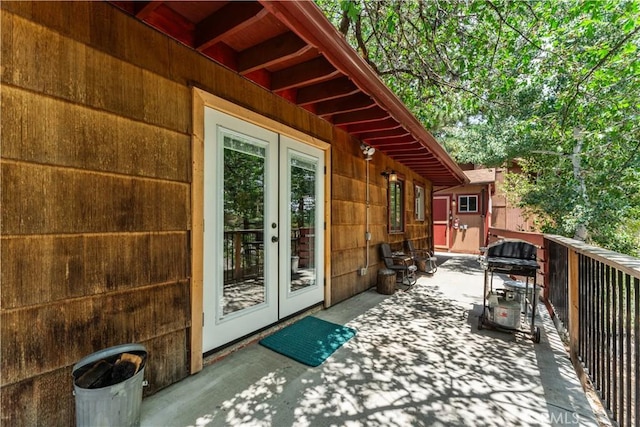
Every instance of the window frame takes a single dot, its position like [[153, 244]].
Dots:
[[392, 211], [468, 197]]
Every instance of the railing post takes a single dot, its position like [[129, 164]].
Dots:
[[237, 255], [573, 305]]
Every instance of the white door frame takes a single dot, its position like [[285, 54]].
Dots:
[[218, 328], [294, 301], [201, 99]]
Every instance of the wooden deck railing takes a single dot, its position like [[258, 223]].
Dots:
[[594, 294], [243, 252]]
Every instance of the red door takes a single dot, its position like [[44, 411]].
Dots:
[[441, 222]]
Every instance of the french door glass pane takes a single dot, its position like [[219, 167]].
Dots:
[[303, 222], [396, 207], [243, 195]]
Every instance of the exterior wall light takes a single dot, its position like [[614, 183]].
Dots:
[[391, 175]]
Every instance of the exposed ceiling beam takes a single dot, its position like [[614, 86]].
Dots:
[[145, 8], [400, 148], [272, 51], [368, 115], [327, 90], [170, 22], [359, 101], [291, 49], [223, 54], [389, 123], [395, 140], [411, 153], [311, 24], [417, 163], [381, 134], [313, 71], [425, 163], [233, 17]]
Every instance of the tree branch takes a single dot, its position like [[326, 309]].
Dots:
[[345, 22], [602, 60], [629, 160], [362, 45], [494, 7]]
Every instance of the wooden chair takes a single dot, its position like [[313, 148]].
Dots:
[[402, 264], [422, 257]]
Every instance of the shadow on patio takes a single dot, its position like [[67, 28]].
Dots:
[[417, 359]]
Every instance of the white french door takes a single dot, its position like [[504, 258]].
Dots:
[[302, 214], [263, 228]]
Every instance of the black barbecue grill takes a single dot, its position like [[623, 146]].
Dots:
[[513, 257]]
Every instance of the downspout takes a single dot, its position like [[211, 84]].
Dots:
[[483, 216], [367, 233], [368, 153]]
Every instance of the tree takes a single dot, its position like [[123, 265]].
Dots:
[[244, 182], [555, 85]]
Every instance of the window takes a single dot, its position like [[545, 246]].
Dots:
[[467, 204], [419, 200], [396, 206]]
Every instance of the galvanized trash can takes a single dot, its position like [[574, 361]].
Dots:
[[100, 399]]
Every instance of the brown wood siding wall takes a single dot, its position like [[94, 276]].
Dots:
[[349, 210], [96, 179], [96, 164], [95, 219]]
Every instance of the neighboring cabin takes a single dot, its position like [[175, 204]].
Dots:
[[464, 214], [123, 219]]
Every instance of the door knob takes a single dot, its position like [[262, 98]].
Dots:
[[274, 239]]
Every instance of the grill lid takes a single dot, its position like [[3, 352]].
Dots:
[[512, 249]]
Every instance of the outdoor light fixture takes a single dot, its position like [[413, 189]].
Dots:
[[391, 175], [367, 150]]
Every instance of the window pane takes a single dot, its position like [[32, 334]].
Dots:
[[243, 196], [473, 204], [462, 203], [468, 204], [303, 220], [396, 206]]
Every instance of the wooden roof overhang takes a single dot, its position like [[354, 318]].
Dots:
[[292, 50]]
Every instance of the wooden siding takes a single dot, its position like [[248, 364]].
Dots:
[[96, 202], [349, 210], [505, 215], [95, 219]]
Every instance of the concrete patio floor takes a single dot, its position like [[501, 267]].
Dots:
[[418, 359]]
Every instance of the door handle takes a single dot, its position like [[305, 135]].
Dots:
[[274, 239]]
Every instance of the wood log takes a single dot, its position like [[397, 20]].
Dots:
[[94, 376], [133, 358], [386, 282]]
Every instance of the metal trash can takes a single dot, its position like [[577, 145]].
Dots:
[[116, 404]]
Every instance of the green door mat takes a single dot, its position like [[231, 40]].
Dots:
[[310, 340]]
